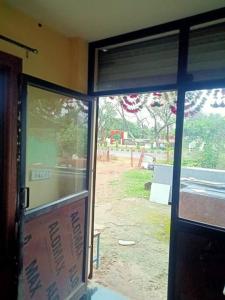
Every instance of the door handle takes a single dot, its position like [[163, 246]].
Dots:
[[25, 191]]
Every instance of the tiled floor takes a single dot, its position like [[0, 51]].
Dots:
[[101, 293]]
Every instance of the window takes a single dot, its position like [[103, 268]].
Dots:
[[57, 135], [207, 53], [202, 191], [144, 63]]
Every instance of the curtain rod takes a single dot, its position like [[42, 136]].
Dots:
[[6, 39]]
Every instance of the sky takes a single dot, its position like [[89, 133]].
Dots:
[[207, 109]]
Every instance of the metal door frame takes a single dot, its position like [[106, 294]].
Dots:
[[182, 85]]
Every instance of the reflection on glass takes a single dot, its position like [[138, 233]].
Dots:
[[57, 133], [206, 58], [202, 191], [140, 63]]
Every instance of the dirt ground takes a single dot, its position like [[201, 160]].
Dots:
[[139, 272]]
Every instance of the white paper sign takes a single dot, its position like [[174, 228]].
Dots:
[[160, 193]]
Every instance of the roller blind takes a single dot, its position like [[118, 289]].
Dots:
[[207, 53], [147, 63]]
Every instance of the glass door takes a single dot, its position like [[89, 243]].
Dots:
[[199, 248], [202, 191], [54, 192]]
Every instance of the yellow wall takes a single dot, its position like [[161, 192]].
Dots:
[[60, 60], [79, 63]]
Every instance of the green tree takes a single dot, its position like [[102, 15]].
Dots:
[[107, 118], [208, 133], [66, 119], [161, 114], [112, 118]]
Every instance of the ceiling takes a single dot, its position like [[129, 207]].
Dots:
[[98, 19]]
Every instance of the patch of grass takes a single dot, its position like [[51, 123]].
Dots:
[[133, 182], [114, 182], [161, 223]]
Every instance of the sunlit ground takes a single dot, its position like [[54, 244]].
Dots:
[[124, 212]]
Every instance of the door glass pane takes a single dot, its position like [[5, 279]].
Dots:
[[202, 190], [56, 153]]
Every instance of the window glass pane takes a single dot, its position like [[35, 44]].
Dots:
[[207, 53], [144, 63], [56, 154], [202, 190]]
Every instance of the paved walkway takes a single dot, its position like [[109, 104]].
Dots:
[[97, 292]]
